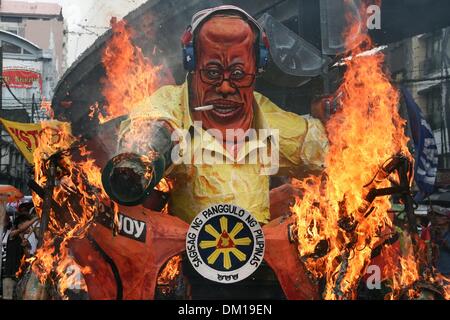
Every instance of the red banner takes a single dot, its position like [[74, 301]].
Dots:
[[19, 78]]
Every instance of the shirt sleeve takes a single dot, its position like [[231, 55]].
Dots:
[[314, 146], [303, 142]]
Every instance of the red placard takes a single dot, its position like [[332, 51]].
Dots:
[[19, 78]]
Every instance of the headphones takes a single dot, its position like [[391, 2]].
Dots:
[[262, 47]]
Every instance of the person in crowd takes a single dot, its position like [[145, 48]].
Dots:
[[440, 237], [17, 246], [6, 230]]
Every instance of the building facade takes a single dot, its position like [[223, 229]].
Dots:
[[422, 64], [32, 39], [41, 24]]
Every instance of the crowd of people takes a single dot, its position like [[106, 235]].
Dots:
[[20, 238], [437, 235]]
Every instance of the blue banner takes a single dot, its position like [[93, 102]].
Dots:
[[426, 152]]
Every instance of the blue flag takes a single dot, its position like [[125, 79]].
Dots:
[[426, 152]]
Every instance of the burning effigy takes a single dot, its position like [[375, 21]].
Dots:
[[183, 200]]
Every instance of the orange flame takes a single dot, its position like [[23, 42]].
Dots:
[[46, 106], [363, 135], [401, 270], [170, 271], [165, 185], [78, 193], [130, 77], [445, 284]]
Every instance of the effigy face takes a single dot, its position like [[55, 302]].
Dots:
[[224, 52]]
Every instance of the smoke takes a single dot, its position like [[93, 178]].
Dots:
[[86, 20]]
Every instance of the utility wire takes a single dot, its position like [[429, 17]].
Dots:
[[88, 30], [92, 26], [10, 91], [23, 106]]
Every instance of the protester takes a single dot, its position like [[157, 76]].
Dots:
[[33, 232], [7, 229], [17, 246], [440, 237]]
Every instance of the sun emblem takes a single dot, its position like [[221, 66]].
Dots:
[[225, 243]]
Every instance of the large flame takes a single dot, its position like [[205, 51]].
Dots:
[[130, 79], [363, 135], [337, 225], [78, 192], [130, 76], [170, 271]]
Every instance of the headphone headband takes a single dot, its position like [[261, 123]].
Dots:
[[199, 17]]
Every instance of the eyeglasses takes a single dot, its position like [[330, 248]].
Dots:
[[237, 77]]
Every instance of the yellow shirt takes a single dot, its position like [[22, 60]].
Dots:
[[302, 144]]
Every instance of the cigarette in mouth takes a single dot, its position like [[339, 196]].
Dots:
[[204, 108]]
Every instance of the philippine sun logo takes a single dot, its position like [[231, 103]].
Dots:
[[225, 243]]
